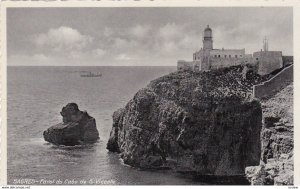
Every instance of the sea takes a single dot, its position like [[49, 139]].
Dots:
[[36, 96]]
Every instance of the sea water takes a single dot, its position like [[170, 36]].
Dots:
[[36, 95]]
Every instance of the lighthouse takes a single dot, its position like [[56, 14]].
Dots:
[[207, 39]]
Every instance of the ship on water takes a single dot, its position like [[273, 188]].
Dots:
[[90, 74]]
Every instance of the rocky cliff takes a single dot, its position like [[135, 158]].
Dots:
[[277, 164], [203, 123], [78, 127]]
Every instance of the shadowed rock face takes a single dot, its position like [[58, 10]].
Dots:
[[202, 123], [77, 127], [277, 137]]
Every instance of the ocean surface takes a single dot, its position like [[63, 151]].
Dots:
[[36, 96]]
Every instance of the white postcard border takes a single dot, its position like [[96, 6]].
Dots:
[[149, 3]]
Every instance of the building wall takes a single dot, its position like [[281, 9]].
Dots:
[[219, 58], [268, 61], [275, 84], [185, 65], [216, 63], [198, 55], [248, 59], [204, 63], [227, 53]]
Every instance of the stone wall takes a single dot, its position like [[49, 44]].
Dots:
[[185, 65], [269, 61], [272, 86], [287, 60]]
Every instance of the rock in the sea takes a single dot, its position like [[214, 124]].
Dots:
[[204, 123], [78, 127]]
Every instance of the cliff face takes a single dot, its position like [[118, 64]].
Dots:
[[276, 165], [205, 123]]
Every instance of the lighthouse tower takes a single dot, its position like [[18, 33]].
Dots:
[[207, 39]]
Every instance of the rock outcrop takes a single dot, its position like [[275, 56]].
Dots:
[[203, 123], [277, 163], [77, 128]]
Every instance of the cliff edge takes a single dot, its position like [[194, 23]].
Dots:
[[205, 123], [277, 163]]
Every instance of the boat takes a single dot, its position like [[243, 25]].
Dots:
[[90, 74]]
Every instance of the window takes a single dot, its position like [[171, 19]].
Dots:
[[215, 55], [229, 56], [225, 56], [256, 58], [241, 55], [219, 56], [235, 56]]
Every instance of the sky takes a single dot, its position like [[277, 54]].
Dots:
[[139, 36]]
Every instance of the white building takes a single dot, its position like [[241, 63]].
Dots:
[[208, 58]]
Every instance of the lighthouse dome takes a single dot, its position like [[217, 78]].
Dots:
[[207, 32], [208, 28]]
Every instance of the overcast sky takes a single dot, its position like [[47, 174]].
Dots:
[[138, 36]]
